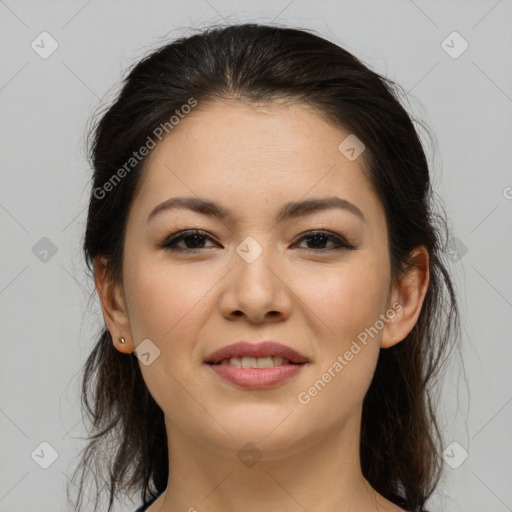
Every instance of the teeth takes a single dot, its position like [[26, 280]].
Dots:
[[236, 362], [254, 362], [264, 362], [249, 362]]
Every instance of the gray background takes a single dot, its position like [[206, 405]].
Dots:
[[48, 325]]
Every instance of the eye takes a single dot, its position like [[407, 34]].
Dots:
[[319, 238], [193, 239]]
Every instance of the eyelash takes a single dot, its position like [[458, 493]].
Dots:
[[170, 242]]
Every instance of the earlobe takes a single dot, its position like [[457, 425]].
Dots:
[[410, 294], [113, 306]]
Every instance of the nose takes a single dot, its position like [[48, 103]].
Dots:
[[256, 290]]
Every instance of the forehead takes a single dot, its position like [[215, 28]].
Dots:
[[254, 154], [235, 131]]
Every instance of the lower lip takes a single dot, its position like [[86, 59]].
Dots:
[[257, 378]]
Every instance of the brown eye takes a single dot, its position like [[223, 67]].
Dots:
[[318, 239], [193, 240]]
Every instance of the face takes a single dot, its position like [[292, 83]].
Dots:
[[314, 280]]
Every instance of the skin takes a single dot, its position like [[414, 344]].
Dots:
[[252, 159]]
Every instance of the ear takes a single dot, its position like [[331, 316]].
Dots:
[[407, 298], [113, 306]]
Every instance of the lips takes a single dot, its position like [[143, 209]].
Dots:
[[255, 366], [256, 350]]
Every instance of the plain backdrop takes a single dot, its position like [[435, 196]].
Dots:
[[459, 84]]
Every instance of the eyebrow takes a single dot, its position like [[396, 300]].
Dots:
[[289, 210]]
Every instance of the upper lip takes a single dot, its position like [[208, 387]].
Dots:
[[262, 349]]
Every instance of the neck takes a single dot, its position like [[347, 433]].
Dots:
[[322, 474]]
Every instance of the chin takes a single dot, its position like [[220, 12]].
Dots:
[[273, 435]]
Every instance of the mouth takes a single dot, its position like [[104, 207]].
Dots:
[[266, 353], [255, 362], [256, 366]]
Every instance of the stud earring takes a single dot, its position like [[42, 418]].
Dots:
[[122, 340]]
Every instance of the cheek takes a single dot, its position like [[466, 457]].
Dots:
[[163, 298], [347, 299], [164, 303]]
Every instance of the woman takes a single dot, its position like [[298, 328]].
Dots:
[[263, 243]]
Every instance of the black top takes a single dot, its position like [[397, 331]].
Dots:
[[398, 500], [146, 505]]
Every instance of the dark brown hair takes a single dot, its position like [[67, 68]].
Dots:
[[400, 438]]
